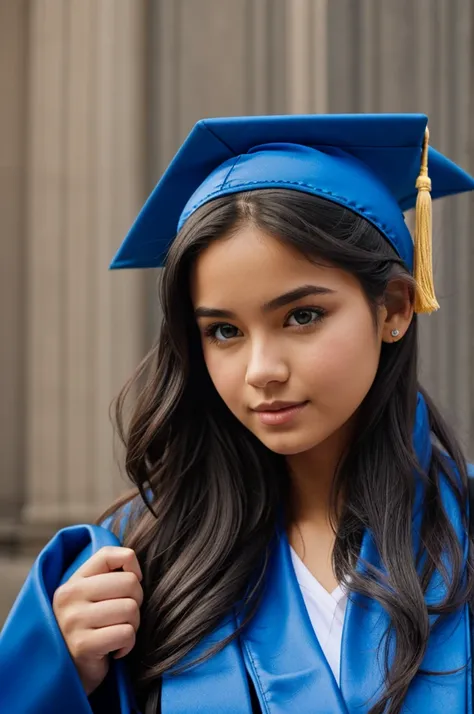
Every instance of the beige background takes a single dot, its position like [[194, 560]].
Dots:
[[96, 96]]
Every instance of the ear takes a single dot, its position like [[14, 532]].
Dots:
[[398, 309]]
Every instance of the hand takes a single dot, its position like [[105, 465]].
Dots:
[[98, 611]]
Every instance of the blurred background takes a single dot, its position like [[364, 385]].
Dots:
[[95, 98]]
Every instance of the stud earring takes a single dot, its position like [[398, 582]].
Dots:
[[395, 333]]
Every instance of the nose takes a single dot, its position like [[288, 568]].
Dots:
[[266, 365]]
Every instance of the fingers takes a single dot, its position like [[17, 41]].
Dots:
[[107, 586], [98, 611], [98, 643], [107, 560], [94, 615]]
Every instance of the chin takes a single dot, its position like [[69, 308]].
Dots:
[[290, 444], [287, 450]]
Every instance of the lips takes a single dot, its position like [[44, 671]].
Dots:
[[276, 406], [277, 413]]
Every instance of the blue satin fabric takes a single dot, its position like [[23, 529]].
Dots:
[[37, 673], [285, 662], [278, 650]]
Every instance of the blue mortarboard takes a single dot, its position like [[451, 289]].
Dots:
[[374, 164]]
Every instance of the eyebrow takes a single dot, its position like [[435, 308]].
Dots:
[[274, 304]]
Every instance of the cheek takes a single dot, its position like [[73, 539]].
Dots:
[[342, 365]]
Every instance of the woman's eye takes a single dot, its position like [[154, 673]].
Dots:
[[305, 316], [222, 332]]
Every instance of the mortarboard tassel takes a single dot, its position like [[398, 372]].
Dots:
[[425, 298]]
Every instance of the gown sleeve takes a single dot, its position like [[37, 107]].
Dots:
[[37, 673]]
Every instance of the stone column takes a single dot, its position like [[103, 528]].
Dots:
[[13, 44], [86, 170], [306, 52]]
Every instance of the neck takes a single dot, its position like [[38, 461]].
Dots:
[[312, 475], [310, 528]]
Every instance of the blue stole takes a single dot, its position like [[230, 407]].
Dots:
[[281, 655]]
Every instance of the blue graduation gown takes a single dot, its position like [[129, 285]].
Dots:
[[281, 654], [278, 651]]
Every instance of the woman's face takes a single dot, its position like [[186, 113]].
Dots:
[[290, 346]]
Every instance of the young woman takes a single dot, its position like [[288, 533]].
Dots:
[[297, 538]]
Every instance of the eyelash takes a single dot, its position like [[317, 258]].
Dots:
[[210, 331]]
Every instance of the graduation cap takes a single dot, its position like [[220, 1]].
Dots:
[[374, 164]]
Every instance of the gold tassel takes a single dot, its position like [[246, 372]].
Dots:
[[425, 298]]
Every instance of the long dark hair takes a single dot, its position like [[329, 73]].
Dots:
[[213, 491]]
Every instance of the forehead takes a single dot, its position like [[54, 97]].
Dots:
[[251, 265]]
